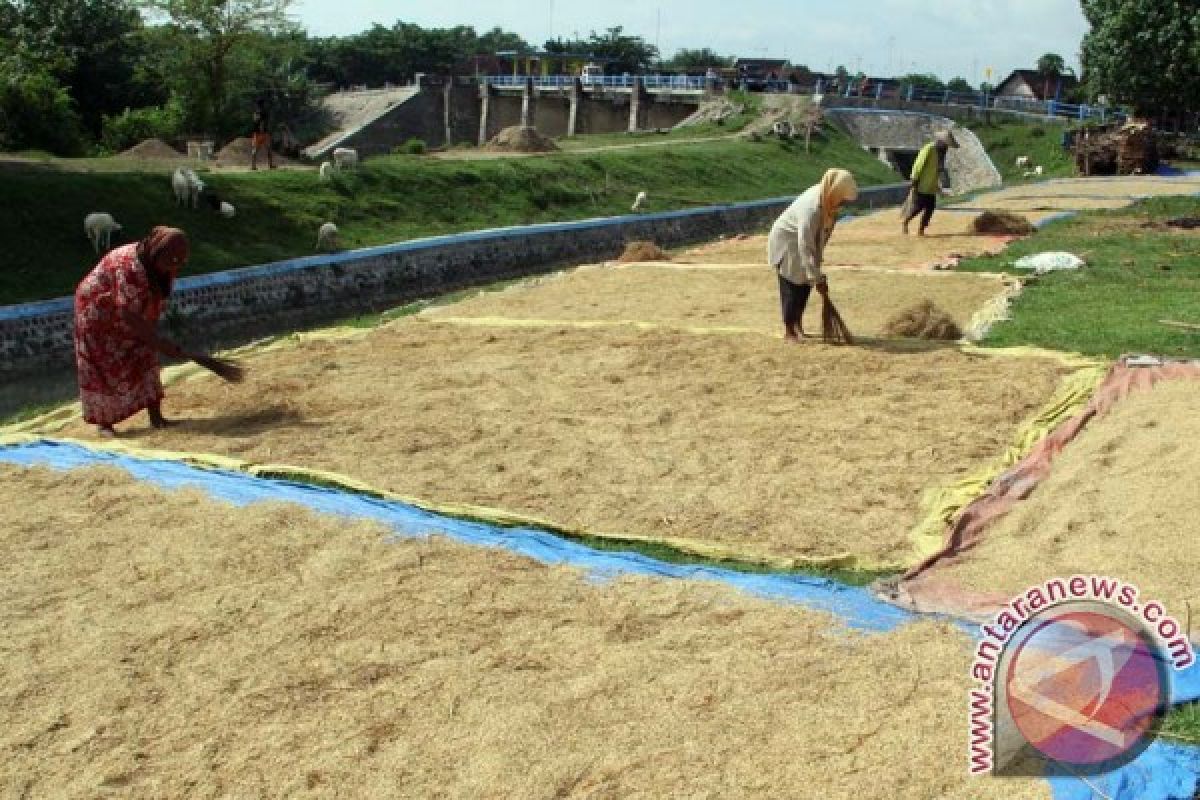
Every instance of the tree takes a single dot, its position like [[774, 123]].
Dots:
[[622, 53], [90, 47], [211, 34], [703, 58], [960, 85], [1144, 53], [498, 40], [923, 81], [1050, 67]]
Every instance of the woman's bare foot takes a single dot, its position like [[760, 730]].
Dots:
[[106, 431]]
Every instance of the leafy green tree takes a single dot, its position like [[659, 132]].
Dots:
[[36, 113], [1050, 68], [498, 40], [622, 53], [1144, 53], [703, 58], [211, 35], [960, 86], [90, 47], [923, 81]]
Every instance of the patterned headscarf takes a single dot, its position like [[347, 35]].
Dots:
[[162, 253]]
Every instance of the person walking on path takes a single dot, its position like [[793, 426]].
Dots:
[[926, 181]]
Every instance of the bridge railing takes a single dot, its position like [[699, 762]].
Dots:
[[662, 82]]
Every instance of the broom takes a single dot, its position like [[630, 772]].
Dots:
[[227, 370], [833, 327]]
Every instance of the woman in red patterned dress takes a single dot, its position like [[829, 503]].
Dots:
[[117, 344]]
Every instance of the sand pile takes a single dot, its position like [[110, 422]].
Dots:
[[520, 139], [661, 434], [642, 251], [1001, 222], [1116, 502], [151, 150], [924, 321], [237, 154], [174, 646]]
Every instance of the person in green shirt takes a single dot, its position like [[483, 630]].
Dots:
[[926, 181]]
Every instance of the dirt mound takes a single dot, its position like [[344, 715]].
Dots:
[[520, 139], [923, 321], [1001, 222], [237, 154], [151, 150], [643, 251]]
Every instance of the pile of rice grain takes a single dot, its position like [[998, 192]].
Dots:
[[1002, 222], [642, 251], [520, 139], [923, 321]]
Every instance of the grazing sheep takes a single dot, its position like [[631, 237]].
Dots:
[[326, 171], [99, 228], [179, 185], [639, 201], [227, 210], [327, 237], [1023, 162], [345, 158], [187, 187]]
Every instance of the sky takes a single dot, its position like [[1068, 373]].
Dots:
[[947, 37]]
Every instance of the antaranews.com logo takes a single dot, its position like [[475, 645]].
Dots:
[[1075, 670]]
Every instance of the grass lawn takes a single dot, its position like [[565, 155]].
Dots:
[[388, 199], [1005, 141], [1183, 725], [1136, 276]]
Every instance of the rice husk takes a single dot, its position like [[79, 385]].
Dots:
[[520, 139], [151, 150], [175, 646], [642, 251], [652, 433], [1001, 222], [923, 321], [686, 296], [1119, 501]]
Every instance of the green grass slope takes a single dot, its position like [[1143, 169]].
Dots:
[[1005, 141], [387, 200]]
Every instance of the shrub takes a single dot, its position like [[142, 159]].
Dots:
[[36, 113], [413, 147], [134, 125]]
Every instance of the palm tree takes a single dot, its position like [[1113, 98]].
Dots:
[[1050, 66]]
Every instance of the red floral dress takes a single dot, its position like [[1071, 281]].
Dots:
[[118, 374]]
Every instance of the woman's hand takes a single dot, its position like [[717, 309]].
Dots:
[[823, 286]]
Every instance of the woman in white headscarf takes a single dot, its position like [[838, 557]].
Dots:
[[796, 246]]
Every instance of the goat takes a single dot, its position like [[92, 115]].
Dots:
[[639, 201], [187, 187], [99, 228], [327, 236], [326, 171], [1023, 161]]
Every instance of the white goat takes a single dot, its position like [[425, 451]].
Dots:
[[345, 158], [1023, 161], [227, 210], [639, 201], [187, 187], [99, 228], [326, 171], [327, 237]]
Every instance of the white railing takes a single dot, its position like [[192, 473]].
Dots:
[[662, 82]]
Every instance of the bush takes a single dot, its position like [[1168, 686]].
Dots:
[[134, 125], [1036, 132], [36, 113], [413, 147]]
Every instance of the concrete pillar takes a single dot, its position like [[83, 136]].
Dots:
[[485, 97], [447, 105], [576, 95], [528, 103], [636, 98]]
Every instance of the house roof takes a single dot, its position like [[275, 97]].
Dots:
[[1036, 82]]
